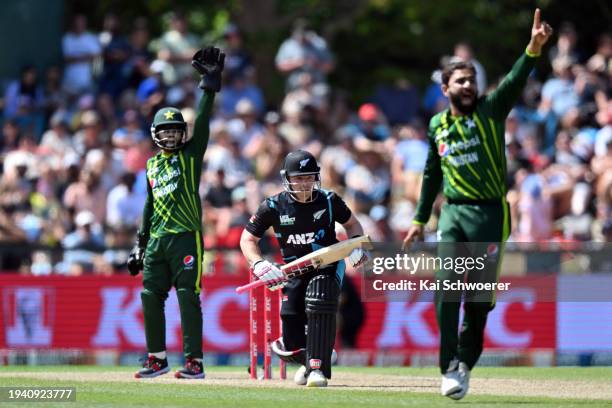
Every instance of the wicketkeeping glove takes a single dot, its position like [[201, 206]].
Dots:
[[209, 63], [135, 261], [358, 257], [269, 273]]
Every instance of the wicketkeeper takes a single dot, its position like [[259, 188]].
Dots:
[[303, 218], [169, 243], [467, 157]]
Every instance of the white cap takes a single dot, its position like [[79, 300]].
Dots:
[[84, 218]]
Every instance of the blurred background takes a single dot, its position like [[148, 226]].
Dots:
[[354, 82]]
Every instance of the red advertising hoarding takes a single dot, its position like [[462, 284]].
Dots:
[[94, 312]]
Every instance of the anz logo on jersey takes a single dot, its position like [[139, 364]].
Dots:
[[307, 238]]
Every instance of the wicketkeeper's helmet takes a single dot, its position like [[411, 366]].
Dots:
[[169, 129]]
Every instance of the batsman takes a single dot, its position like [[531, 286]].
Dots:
[[467, 157], [303, 218], [169, 241]]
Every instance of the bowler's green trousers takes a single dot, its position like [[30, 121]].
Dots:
[[468, 222]]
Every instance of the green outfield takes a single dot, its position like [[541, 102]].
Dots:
[[350, 387]]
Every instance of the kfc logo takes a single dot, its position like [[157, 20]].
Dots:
[[28, 316]]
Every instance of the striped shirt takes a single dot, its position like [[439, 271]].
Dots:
[[467, 152], [173, 203]]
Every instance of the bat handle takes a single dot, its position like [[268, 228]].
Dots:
[[248, 286]]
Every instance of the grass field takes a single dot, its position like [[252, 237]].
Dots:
[[350, 387]]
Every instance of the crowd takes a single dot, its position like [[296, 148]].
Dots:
[[75, 141]]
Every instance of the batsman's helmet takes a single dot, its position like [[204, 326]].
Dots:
[[300, 163], [169, 129]]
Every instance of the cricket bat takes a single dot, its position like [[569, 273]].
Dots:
[[314, 260]]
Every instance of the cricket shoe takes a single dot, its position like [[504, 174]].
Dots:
[[463, 372], [153, 367], [300, 376], [193, 370], [316, 379], [451, 382]]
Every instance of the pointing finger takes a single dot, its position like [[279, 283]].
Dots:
[[536, 18]]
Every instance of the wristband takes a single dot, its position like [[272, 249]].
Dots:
[[530, 54], [415, 222]]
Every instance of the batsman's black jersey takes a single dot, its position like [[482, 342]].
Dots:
[[300, 228]]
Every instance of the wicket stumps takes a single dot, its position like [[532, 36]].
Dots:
[[268, 339]]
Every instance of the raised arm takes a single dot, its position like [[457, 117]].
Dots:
[[507, 93], [209, 63]]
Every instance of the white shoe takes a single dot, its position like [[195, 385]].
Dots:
[[300, 376], [463, 373], [316, 379], [451, 383]]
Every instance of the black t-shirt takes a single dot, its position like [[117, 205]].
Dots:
[[300, 228], [219, 197]]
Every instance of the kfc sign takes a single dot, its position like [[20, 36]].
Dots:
[[28, 316]]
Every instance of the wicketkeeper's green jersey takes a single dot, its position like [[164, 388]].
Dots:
[[173, 203], [467, 152]]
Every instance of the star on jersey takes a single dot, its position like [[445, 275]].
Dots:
[[169, 115], [470, 123], [174, 159], [443, 134]]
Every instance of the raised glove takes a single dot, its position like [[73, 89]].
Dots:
[[358, 257], [209, 63], [135, 261], [269, 273]]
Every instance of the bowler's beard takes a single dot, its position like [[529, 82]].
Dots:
[[465, 108]]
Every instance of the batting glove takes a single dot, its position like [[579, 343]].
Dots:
[[269, 273], [358, 257]]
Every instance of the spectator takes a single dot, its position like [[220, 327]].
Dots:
[[116, 51], [238, 88], [57, 140], [399, 103], [25, 95], [80, 49], [11, 135], [82, 246], [219, 195], [238, 60], [137, 65], [124, 205], [566, 44], [54, 97], [434, 100], [304, 51], [601, 62], [176, 46], [372, 124], [535, 209], [464, 52], [87, 194], [130, 134], [244, 128], [90, 135], [409, 160]]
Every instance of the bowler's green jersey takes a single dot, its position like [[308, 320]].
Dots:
[[173, 203], [467, 153]]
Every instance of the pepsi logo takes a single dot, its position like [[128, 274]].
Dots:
[[443, 150], [188, 260]]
